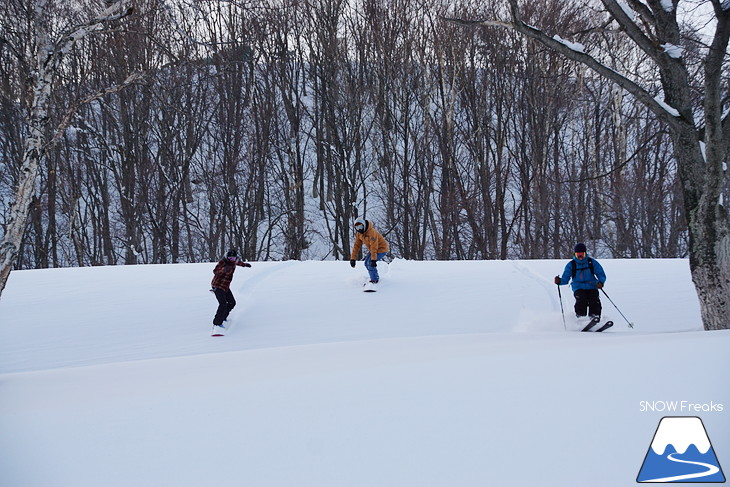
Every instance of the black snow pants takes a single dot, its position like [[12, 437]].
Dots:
[[587, 301], [226, 303]]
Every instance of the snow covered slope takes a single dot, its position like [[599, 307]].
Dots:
[[453, 374]]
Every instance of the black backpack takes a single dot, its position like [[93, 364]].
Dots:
[[574, 268]]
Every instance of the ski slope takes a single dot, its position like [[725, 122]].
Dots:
[[452, 374]]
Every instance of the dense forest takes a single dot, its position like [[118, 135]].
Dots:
[[271, 125]]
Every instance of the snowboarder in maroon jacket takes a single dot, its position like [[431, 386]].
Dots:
[[221, 284]]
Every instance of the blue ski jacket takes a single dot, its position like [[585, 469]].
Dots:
[[583, 279]]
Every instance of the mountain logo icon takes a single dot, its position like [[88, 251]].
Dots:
[[680, 452]]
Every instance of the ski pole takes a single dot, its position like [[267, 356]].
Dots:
[[562, 312], [631, 325]]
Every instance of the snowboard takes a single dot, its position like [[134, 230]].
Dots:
[[218, 331], [369, 287]]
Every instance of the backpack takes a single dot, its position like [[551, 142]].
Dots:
[[574, 269]]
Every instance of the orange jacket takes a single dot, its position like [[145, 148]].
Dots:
[[375, 242]]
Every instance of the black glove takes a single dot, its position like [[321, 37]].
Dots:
[[558, 280], [599, 285], [246, 264], [352, 262], [374, 263]]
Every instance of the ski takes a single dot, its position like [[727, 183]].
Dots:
[[218, 331], [591, 324], [605, 326]]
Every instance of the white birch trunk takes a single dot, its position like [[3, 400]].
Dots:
[[39, 137], [33, 151]]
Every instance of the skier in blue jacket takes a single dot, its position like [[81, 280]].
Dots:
[[587, 276]]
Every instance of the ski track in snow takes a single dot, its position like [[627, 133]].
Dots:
[[247, 289], [539, 279]]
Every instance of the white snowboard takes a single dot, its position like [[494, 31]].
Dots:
[[369, 287]]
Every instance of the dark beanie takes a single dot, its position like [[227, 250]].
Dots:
[[232, 253], [581, 247]]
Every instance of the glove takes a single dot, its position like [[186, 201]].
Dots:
[[599, 285], [352, 263], [246, 264], [374, 263], [558, 280]]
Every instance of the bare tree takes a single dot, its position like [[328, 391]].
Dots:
[[281, 40], [49, 46], [458, 143], [340, 122], [700, 130], [399, 45]]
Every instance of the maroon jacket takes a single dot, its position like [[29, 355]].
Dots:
[[223, 273]]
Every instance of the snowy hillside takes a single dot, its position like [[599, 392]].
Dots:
[[452, 374]]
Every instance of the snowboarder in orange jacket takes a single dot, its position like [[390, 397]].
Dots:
[[366, 234]]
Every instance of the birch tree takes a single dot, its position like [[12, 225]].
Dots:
[[698, 125], [49, 46]]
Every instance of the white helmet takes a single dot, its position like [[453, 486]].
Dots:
[[361, 225]]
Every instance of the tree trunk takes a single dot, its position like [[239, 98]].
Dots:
[[19, 215], [710, 266], [709, 242], [32, 155], [47, 58], [700, 150]]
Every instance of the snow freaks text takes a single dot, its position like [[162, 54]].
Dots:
[[681, 407]]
